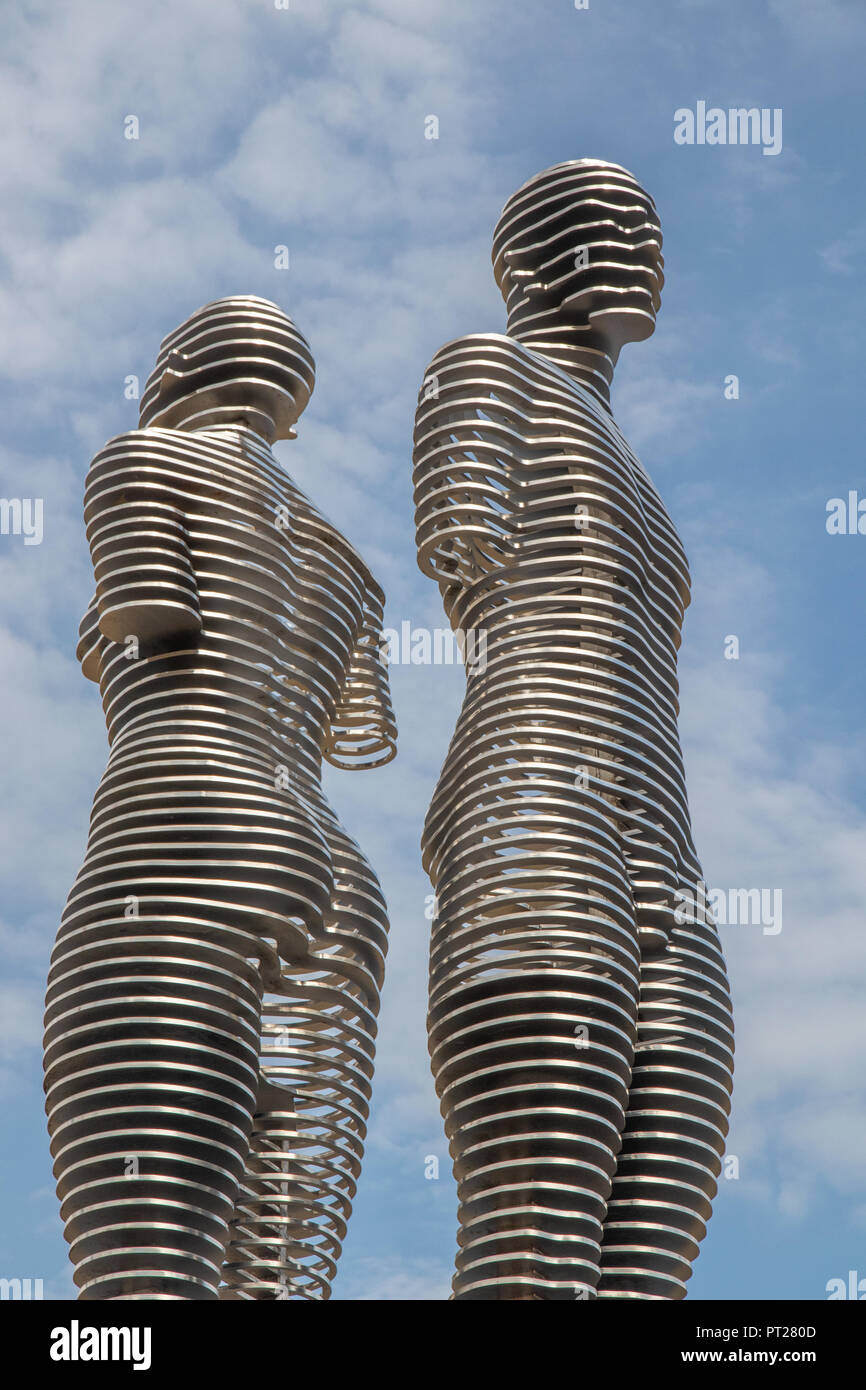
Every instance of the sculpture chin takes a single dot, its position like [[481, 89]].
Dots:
[[269, 410], [620, 326]]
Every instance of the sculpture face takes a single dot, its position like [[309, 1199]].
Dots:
[[580, 245], [236, 358]]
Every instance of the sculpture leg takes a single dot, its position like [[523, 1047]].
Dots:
[[317, 1050], [151, 1042], [677, 1121], [195, 865], [533, 1009]]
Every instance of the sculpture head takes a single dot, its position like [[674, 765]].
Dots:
[[579, 246], [236, 359]]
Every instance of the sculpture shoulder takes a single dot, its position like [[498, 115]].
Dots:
[[137, 454], [141, 441], [482, 380], [195, 464], [478, 351]]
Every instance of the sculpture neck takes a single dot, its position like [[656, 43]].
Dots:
[[575, 350], [239, 432], [236, 427], [249, 448]]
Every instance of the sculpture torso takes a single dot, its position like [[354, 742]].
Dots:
[[548, 537], [284, 599], [221, 725]]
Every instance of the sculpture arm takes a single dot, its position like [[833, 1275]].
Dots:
[[90, 642], [362, 731], [136, 527], [469, 428]]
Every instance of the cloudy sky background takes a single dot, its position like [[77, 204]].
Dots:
[[305, 127]]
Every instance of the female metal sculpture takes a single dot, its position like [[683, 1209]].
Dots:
[[212, 996], [580, 1025]]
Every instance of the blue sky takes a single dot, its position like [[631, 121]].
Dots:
[[305, 127]]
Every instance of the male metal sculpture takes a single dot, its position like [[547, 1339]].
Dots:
[[580, 1024], [213, 991]]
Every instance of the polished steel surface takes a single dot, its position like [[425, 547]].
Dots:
[[580, 1031], [212, 997]]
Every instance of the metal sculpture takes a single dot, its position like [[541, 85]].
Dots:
[[212, 996], [579, 1021]]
